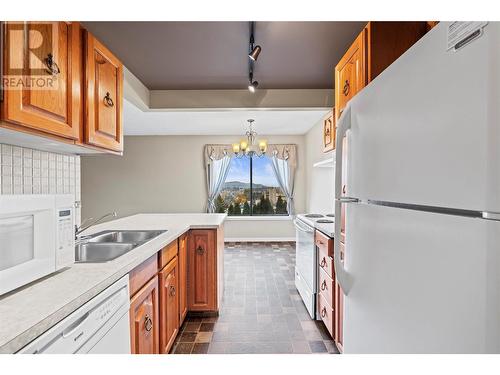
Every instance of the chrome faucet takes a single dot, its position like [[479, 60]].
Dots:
[[87, 223]]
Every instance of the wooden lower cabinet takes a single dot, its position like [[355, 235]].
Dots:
[[144, 320], [169, 305], [181, 277], [202, 270], [183, 307], [327, 314]]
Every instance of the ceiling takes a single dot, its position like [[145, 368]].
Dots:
[[267, 122], [213, 55]]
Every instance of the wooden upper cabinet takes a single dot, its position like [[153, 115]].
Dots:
[[47, 58], [202, 270], [104, 96], [375, 48], [169, 305], [329, 131], [350, 73], [144, 320], [183, 308]]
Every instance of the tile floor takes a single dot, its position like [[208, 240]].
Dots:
[[261, 310]]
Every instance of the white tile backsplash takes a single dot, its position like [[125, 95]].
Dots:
[[28, 171]]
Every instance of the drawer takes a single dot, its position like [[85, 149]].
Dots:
[[326, 287], [324, 242], [325, 262], [167, 254], [327, 314], [141, 274]]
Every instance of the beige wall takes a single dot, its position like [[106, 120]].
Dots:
[[319, 181], [166, 174]]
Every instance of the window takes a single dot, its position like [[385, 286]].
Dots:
[[251, 189]]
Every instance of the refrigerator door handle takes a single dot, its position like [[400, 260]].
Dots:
[[344, 124]]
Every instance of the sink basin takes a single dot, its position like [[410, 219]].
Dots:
[[109, 245], [101, 252], [128, 236]]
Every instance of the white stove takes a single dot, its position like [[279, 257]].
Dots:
[[306, 256], [325, 223]]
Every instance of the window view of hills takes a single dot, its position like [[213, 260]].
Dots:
[[256, 193]]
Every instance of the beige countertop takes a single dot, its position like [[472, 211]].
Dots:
[[28, 312]]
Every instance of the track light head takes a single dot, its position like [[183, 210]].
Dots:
[[252, 86], [254, 55]]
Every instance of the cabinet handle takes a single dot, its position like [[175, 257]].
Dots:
[[172, 291], [323, 285], [148, 323], [323, 262], [52, 67], [347, 88], [108, 102], [200, 250], [323, 312]]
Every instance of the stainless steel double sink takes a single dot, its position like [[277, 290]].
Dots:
[[108, 245]]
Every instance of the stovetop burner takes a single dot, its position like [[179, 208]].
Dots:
[[313, 215], [324, 221], [330, 215]]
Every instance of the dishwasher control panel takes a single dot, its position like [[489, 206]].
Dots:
[[81, 331]]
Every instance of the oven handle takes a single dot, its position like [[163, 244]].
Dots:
[[301, 228]]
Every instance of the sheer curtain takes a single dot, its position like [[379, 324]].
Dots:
[[284, 163], [217, 162]]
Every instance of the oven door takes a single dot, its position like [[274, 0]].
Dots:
[[27, 239], [305, 266]]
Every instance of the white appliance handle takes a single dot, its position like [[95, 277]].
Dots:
[[344, 124]]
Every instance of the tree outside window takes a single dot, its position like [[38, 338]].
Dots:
[[251, 189]]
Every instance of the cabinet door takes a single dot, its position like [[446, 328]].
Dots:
[[202, 270], [350, 73], [43, 76], [329, 133], [104, 96], [144, 327], [169, 305], [183, 309]]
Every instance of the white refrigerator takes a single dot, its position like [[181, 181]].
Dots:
[[422, 248]]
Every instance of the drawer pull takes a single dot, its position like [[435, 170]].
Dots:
[[323, 262], [346, 88], [148, 323], [52, 67], [172, 291], [108, 102], [200, 250], [323, 285], [323, 312]]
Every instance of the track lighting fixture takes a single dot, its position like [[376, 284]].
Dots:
[[252, 85], [253, 55]]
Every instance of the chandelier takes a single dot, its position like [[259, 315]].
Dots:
[[248, 147]]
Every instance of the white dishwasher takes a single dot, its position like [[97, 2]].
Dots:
[[99, 326]]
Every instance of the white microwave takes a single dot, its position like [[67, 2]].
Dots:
[[36, 237]]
